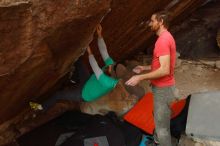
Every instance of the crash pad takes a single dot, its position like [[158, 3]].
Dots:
[[141, 115]]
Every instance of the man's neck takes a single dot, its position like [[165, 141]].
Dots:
[[161, 30]]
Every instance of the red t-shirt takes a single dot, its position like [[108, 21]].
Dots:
[[165, 45]]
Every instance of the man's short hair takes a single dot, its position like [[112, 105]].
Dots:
[[163, 15]]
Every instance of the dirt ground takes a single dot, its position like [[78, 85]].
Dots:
[[197, 76]]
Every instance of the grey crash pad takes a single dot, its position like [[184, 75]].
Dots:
[[203, 119]]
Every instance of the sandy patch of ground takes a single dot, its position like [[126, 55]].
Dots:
[[194, 76]]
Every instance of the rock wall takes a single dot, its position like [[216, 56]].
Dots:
[[126, 30], [218, 38], [39, 42], [196, 36]]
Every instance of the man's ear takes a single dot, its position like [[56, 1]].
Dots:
[[161, 22]]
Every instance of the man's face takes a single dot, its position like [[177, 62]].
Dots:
[[154, 24]]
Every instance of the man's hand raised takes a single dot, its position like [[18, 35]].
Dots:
[[138, 69]]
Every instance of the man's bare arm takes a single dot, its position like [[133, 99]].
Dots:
[[163, 70]]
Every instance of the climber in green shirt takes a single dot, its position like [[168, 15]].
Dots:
[[99, 83], [93, 86]]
